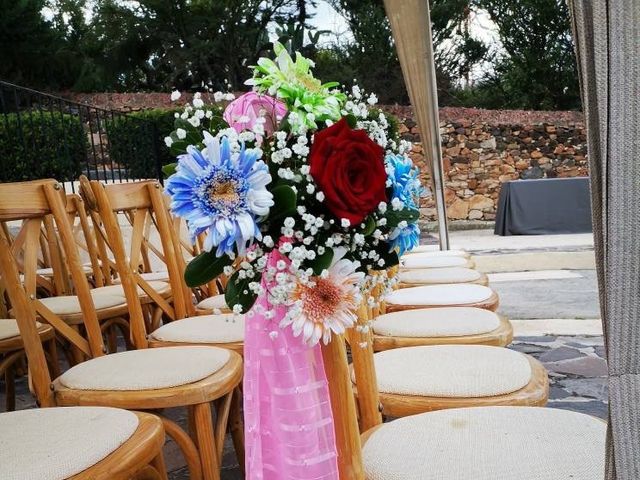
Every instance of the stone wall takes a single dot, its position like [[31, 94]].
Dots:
[[478, 157], [482, 149]]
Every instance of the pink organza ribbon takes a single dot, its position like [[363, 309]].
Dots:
[[289, 431]]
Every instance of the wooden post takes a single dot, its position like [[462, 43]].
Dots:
[[367, 384], [344, 410]]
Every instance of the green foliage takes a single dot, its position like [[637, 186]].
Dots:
[[539, 68], [238, 293], [204, 268], [36, 145], [136, 138]]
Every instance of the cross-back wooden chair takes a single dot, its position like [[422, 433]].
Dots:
[[445, 295], [85, 443], [222, 330], [146, 379], [147, 197], [216, 330], [484, 443], [154, 289]]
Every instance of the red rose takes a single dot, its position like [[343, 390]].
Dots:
[[349, 169]]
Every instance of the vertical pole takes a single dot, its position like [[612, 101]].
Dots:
[[343, 406], [411, 26]]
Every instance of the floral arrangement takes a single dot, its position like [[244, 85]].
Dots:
[[301, 192]]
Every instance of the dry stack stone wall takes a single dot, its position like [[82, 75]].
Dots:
[[479, 156]]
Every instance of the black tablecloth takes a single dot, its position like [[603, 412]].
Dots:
[[546, 206]]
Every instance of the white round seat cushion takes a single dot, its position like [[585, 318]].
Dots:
[[436, 322], [217, 302], [439, 275], [469, 371], [70, 305], [161, 287], [146, 369], [418, 261], [488, 443], [223, 328], [446, 294], [58, 443], [9, 328]]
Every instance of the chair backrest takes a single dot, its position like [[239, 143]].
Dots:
[[144, 204], [35, 204], [26, 319]]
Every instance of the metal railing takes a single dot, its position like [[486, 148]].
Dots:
[[45, 136]]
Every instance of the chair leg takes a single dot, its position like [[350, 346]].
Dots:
[[54, 364], [160, 467], [10, 389], [205, 441], [236, 426], [187, 446]]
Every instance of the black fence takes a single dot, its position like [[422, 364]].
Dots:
[[44, 136]]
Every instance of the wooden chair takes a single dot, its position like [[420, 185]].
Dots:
[[440, 259], [437, 276], [215, 330], [154, 289], [445, 295], [483, 443], [440, 326], [146, 379], [222, 330], [79, 443]]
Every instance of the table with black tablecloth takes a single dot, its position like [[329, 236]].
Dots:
[[545, 206]]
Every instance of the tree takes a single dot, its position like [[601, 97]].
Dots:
[[28, 43], [538, 69]]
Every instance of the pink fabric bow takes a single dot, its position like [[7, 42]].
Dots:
[[241, 114], [289, 432]]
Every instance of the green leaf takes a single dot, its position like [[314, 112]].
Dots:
[[321, 262], [284, 202], [204, 268], [238, 293], [169, 170], [390, 258], [394, 217], [351, 120], [179, 147], [369, 226]]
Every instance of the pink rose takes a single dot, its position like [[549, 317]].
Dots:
[[241, 114]]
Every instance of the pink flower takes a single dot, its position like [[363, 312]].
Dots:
[[242, 113]]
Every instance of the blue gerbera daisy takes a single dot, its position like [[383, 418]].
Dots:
[[404, 238], [221, 193], [404, 180]]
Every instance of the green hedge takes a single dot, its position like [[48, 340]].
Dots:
[[136, 138], [35, 145]]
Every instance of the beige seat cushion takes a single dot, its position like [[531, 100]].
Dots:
[[57, 443], [48, 271], [452, 371], [488, 443], [161, 287], [439, 275], [436, 322], [69, 304], [146, 369], [418, 261], [447, 294], [9, 328], [213, 303], [223, 328]]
